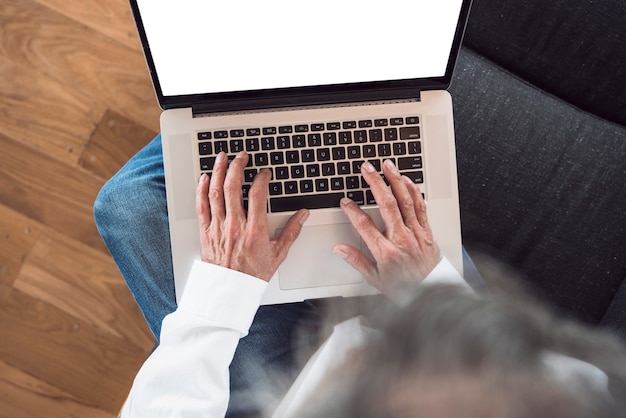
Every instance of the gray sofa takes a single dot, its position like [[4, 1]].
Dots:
[[540, 111]]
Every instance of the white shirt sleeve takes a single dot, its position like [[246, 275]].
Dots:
[[187, 375]]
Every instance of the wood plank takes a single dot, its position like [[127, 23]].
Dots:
[[78, 57], [44, 114], [111, 18], [113, 143], [18, 235], [23, 396], [88, 287], [49, 345], [49, 192]]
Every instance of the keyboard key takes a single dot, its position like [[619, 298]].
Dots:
[[282, 173], [416, 176], [307, 155], [206, 163], [397, 121], [369, 198], [411, 132], [333, 126], [277, 158], [203, 136], [391, 134], [205, 148], [365, 124], [356, 166], [356, 196], [413, 120], [292, 157], [323, 154], [237, 133], [269, 131], [313, 170], [339, 153], [353, 182], [283, 142], [221, 146], [299, 141], [297, 171], [267, 143], [336, 183], [381, 122], [384, 149], [399, 148], [376, 135], [315, 140], [360, 137], [316, 127], [236, 145], [409, 163], [220, 134], [302, 128], [343, 168], [261, 159], [330, 138], [317, 201], [321, 185], [291, 187], [306, 186], [354, 152], [276, 189], [253, 132], [328, 169], [345, 137], [285, 129], [249, 174], [252, 144], [415, 147], [369, 151], [349, 124]]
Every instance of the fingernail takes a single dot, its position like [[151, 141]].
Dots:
[[367, 166], [304, 217], [340, 253], [220, 157], [344, 201], [203, 178], [391, 166]]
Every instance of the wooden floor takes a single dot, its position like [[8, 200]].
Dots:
[[75, 103]]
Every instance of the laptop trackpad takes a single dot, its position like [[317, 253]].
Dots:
[[311, 261]]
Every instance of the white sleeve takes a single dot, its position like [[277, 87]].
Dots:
[[187, 375], [445, 273]]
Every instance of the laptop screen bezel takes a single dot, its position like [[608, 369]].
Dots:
[[302, 96]]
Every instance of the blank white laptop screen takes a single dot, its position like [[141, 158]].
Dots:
[[209, 46]]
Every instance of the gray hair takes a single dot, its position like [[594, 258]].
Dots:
[[451, 353]]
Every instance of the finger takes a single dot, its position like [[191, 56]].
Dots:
[[364, 225], [400, 190], [257, 201], [216, 188], [233, 196], [290, 233], [384, 197], [358, 261], [202, 203], [419, 203]]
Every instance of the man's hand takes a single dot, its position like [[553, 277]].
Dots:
[[406, 251], [231, 238]]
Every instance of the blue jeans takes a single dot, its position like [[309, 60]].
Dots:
[[131, 216]]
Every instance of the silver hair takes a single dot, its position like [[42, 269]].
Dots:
[[451, 353]]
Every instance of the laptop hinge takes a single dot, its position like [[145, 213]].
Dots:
[[281, 102]]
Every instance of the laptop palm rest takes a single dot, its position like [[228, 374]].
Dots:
[[316, 265]]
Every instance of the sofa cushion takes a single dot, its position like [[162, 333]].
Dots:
[[542, 186], [574, 49]]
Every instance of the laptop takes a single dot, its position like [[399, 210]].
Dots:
[[309, 90]]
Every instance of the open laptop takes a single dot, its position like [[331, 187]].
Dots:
[[310, 90]]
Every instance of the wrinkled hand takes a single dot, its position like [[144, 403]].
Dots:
[[231, 238], [406, 251]]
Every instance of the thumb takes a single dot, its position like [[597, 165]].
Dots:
[[291, 232]]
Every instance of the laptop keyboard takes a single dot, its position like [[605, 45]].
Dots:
[[315, 165]]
